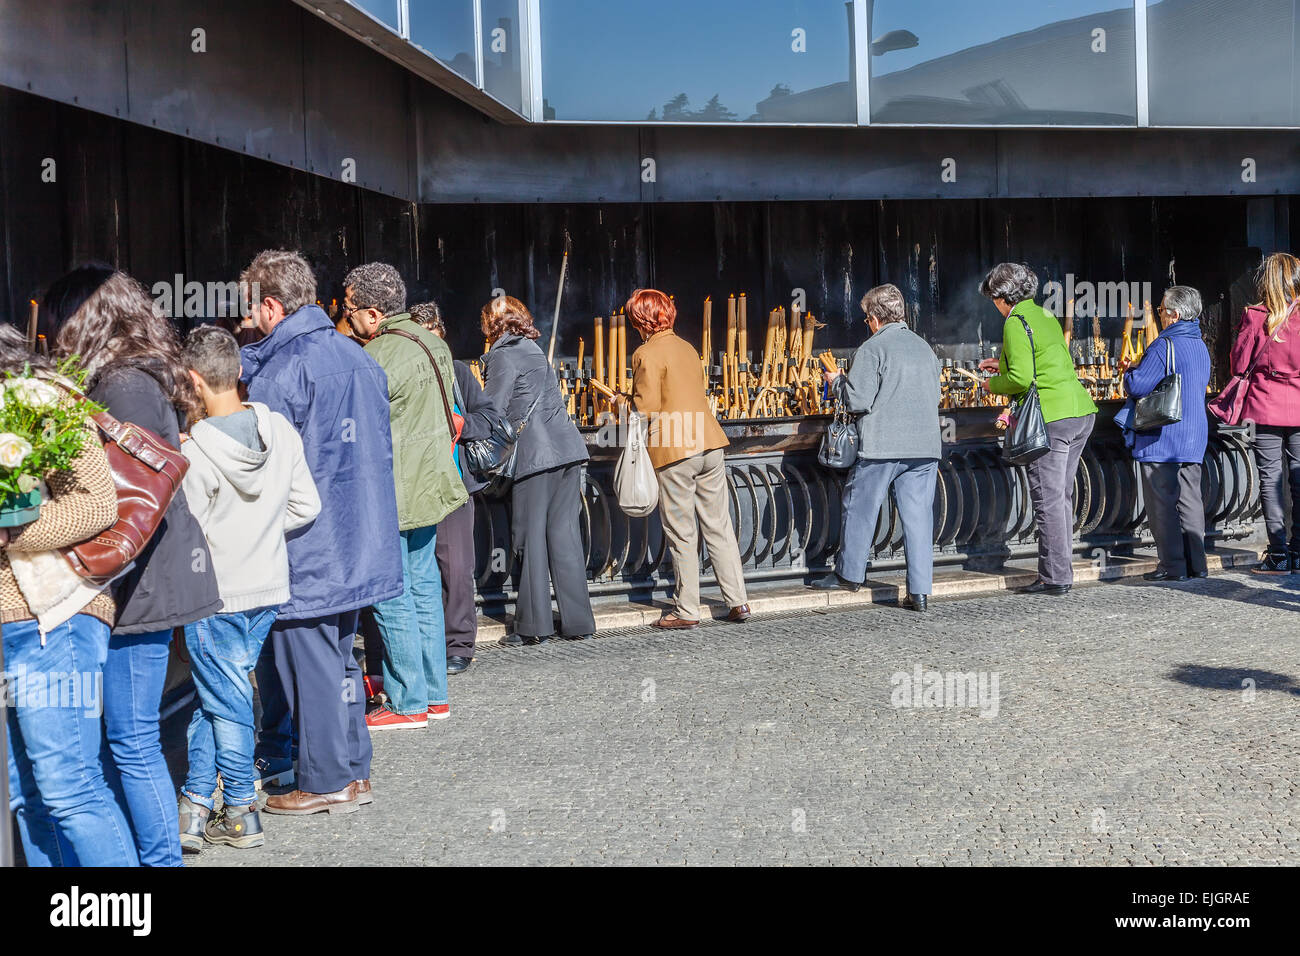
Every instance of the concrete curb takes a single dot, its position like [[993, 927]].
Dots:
[[889, 588]]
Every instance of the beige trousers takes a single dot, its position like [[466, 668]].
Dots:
[[691, 489]]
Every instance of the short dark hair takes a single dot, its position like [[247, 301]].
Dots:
[[213, 352], [377, 285], [430, 316]]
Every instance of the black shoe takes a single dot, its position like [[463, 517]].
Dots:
[[1198, 574], [578, 637], [833, 582], [512, 640], [916, 602], [1276, 561], [1293, 560], [1042, 587], [534, 641], [1160, 574], [240, 827], [458, 665]]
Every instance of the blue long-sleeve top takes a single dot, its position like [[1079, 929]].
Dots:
[[1183, 441]]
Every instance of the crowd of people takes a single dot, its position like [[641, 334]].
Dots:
[[352, 428]]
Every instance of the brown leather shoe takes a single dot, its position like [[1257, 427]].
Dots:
[[671, 622], [301, 803], [739, 615], [364, 796]]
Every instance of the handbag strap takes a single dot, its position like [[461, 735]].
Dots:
[[442, 388], [1171, 364], [1033, 358]]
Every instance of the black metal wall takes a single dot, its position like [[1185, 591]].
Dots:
[[160, 205]]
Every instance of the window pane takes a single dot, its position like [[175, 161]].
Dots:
[[1223, 62], [445, 29], [1016, 62], [385, 11], [710, 61], [501, 52]]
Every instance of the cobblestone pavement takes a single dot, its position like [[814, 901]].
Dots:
[[1134, 724]]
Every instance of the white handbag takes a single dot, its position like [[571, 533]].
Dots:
[[635, 484]]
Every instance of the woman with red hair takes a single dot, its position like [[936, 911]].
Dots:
[[685, 443]]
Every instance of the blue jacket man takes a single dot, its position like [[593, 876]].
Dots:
[[336, 396]]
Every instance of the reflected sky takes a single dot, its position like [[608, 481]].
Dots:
[[445, 28], [384, 11], [623, 60]]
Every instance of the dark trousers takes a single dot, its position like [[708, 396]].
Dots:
[[1051, 487], [547, 540], [1175, 514], [1277, 454], [322, 681], [455, 550]]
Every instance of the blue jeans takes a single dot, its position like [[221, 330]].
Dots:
[[866, 493], [134, 676], [223, 649], [66, 812], [415, 642]]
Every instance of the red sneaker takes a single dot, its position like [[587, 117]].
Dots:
[[381, 718], [439, 711]]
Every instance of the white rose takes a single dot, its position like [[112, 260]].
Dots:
[[33, 392], [13, 449]]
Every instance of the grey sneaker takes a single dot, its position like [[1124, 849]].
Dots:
[[240, 827], [193, 818]]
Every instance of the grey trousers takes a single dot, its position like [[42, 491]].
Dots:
[[1277, 453], [547, 537], [868, 487], [693, 501], [1051, 486], [1175, 514]]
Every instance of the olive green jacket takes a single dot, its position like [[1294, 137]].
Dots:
[[1059, 389], [424, 467]]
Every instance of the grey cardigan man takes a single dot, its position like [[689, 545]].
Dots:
[[892, 387]]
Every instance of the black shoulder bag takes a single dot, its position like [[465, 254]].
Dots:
[[1163, 405], [1026, 439], [492, 459]]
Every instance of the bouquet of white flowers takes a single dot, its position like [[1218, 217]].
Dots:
[[42, 429]]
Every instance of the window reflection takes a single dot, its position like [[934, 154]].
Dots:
[[1019, 62], [502, 45], [1223, 63], [445, 29], [710, 61], [385, 11]]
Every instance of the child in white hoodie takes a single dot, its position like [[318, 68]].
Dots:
[[248, 486]]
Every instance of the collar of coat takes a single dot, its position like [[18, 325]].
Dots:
[[392, 320], [310, 318]]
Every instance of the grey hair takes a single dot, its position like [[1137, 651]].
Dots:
[[283, 276], [1184, 300], [377, 285], [213, 352], [1010, 281], [885, 302]]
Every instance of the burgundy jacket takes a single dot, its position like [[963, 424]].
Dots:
[[1273, 393]]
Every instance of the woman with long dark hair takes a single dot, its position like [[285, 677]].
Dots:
[[546, 495], [65, 811], [133, 355]]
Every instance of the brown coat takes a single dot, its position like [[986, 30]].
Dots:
[[668, 386]]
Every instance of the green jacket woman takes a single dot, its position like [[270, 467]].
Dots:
[[1068, 412]]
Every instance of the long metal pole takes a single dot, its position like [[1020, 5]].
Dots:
[[559, 294]]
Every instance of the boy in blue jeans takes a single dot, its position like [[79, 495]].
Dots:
[[248, 486]]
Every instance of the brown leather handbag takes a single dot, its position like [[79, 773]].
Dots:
[[147, 473]]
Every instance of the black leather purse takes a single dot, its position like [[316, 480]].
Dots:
[[839, 448], [492, 459], [1026, 439], [1163, 405]]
